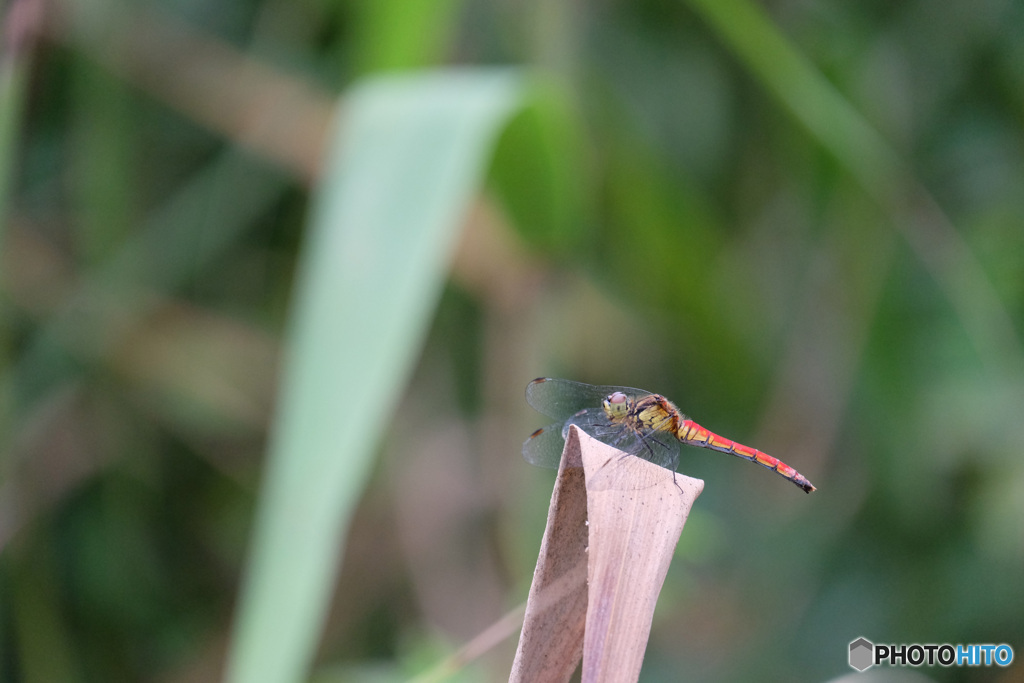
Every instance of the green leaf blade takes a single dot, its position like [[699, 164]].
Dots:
[[409, 155]]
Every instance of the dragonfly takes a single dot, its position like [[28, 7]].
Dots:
[[634, 421]]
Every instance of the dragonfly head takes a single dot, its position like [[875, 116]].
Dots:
[[616, 405]]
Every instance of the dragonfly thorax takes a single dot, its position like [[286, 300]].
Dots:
[[655, 413]]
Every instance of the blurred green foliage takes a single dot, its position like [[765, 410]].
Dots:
[[800, 222]]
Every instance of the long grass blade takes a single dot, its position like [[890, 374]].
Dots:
[[408, 156]]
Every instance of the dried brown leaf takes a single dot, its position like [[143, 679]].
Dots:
[[625, 537]]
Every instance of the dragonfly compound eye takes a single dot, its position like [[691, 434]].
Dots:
[[616, 405]]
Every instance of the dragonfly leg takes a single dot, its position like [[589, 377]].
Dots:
[[659, 442], [674, 464]]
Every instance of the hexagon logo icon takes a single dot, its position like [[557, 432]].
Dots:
[[862, 654]]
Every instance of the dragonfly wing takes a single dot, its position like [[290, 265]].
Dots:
[[658, 447], [560, 399], [544, 447], [592, 421], [626, 471], [576, 403]]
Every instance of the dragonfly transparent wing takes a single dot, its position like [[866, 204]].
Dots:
[[544, 448], [560, 399], [658, 448]]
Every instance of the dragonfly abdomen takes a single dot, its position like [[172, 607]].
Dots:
[[692, 433]]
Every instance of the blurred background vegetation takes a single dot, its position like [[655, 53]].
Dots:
[[800, 221]]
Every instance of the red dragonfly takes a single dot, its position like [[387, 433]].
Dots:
[[637, 422]]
